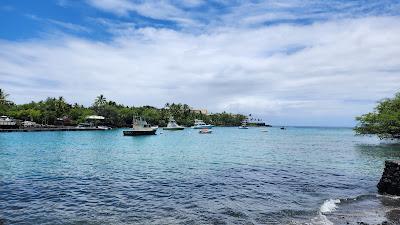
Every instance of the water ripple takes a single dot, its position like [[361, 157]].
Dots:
[[230, 177]]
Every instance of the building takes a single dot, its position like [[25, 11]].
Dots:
[[199, 111]]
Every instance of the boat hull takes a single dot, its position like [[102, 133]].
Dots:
[[203, 127], [173, 128], [205, 131], [104, 128], [241, 127], [139, 133]]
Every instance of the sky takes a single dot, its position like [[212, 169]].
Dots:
[[308, 62]]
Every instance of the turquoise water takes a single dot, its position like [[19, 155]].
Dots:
[[231, 176]]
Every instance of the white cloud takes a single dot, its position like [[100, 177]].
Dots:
[[60, 24], [189, 15], [161, 10], [120, 7], [336, 69]]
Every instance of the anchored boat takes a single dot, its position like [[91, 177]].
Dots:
[[205, 131], [172, 125], [140, 127], [199, 124], [244, 125], [7, 123]]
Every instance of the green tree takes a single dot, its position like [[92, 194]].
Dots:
[[61, 106], [3, 97], [100, 101], [117, 115], [384, 121], [4, 103]]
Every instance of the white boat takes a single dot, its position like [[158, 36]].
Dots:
[[29, 124], [104, 127], [84, 125], [7, 122], [244, 125], [172, 125], [199, 124], [140, 127], [205, 131]]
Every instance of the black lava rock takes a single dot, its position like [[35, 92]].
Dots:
[[390, 181]]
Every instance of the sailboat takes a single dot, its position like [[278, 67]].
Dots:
[[140, 127], [172, 125]]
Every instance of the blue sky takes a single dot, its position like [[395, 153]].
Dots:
[[289, 62]]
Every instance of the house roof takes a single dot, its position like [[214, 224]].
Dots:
[[95, 117]]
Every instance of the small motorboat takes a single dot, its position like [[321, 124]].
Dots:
[[140, 127], [199, 124], [264, 130], [84, 125], [205, 131], [283, 128], [172, 125], [7, 122], [104, 127]]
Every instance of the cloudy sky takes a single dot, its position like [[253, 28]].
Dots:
[[295, 62]]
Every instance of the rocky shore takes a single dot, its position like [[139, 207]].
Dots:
[[389, 184], [383, 223], [372, 209], [390, 181]]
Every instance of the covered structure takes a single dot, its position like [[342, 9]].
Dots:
[[95, 117], [94, 120]]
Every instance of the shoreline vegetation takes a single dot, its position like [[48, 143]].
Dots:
[[58, 112], [384, 121]]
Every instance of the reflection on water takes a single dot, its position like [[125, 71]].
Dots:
[[374, 156], [381, 151]]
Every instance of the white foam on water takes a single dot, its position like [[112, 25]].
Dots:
[[388, 196], [329, 205], [320, 220]]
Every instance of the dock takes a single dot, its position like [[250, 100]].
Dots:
[[40, 129]]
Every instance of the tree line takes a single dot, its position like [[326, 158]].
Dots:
[[53, 110]]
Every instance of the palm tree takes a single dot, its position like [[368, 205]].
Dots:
[[186, 110], [3, 97], [100, 100], [61, 106]]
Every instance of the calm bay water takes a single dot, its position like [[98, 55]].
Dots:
[[233, 176]]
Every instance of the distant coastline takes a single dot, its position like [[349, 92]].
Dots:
[[58, 112]]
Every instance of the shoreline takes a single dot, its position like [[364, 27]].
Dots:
[[41, 129], [369, 209]]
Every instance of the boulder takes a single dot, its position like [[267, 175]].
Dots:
[[390, 181]]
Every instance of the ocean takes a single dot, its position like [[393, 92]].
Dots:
[[301, 175]]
